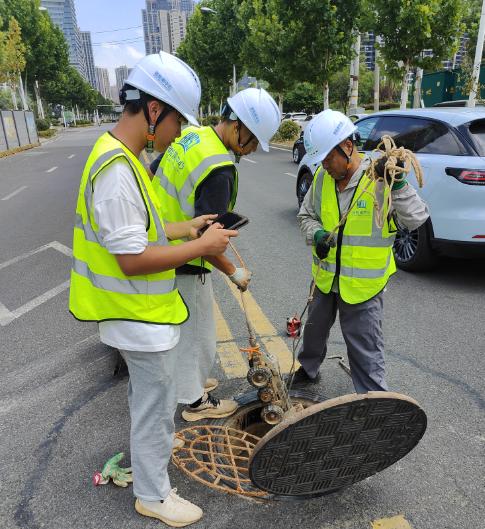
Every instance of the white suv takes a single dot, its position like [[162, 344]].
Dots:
[[450, 144]]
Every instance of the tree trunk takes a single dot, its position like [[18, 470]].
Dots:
[[377, 80], [14, 97], [280, 102], [404, 89], [325, 96], [354, 94], [417, 88], [209, 110]]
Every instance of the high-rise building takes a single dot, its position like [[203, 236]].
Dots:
[[121, 73], [165, 24], [102, 82], [115, 94], [88, 58], [63, 14]]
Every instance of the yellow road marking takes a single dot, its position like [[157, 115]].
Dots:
[[230, 356], [269, 337], [396, 522]]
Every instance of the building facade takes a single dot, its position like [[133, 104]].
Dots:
[[102, 82], [121, 73], [89, 58], [63, 14], [165, 24]]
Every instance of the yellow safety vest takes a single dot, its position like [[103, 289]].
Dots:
[[362, 259], [184, 166], [100, 291]]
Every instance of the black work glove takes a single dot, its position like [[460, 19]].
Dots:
[[322, 247], [399, 180]]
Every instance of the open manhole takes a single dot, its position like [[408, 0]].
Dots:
[[218, 454], [318, 449]]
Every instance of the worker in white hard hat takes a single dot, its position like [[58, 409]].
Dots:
[[123, 272], [196, 176], [351, 269]]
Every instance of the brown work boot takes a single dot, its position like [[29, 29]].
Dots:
[[208, 407]]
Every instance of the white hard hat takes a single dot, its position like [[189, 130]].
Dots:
[[323, 133], [258, 111], [170, 80]]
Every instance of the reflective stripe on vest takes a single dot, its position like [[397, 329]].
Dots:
[[99, 288], [363, 257], [185, 165]]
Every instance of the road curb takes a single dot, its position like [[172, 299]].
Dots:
[[280, 146]]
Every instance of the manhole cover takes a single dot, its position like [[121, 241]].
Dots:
[[336, 443]]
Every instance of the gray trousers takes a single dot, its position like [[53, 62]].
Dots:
[[152, 398], [361, 326], [196, 349]]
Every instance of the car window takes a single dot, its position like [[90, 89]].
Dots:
[[365, 128], [436, 138], [476, 130], [416, 134]]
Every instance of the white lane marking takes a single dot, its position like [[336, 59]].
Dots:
[[16, 192], [291, 174], [39, 300], [54, 244], [51, 169], [248, 160], [71, 156], [5, 315], [280, 148]]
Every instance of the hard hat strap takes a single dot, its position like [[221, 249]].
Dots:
[[151, 127]]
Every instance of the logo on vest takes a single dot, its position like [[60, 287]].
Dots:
[[173, 158], [188, 141], [361, 209]]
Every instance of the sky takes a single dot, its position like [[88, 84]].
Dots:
[[101, 17]]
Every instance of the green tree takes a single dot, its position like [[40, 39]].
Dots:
[[303, 97], [408, 27], [12, 60], [307, 40], [46, 52], [267, 50], [212, 45]]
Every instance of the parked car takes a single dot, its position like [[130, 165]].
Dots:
[[298, 149], [450, 145], [457, 103], [294, 115]]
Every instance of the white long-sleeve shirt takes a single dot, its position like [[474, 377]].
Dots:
[[120, 214]]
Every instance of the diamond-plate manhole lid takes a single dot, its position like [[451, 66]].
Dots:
[[336, 443]]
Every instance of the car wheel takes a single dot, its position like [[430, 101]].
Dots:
[[412, 249], [296, 154], [303, 185]]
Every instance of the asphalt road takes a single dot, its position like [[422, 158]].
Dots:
[[62, 414]]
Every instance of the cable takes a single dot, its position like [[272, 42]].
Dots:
[[118, 29]]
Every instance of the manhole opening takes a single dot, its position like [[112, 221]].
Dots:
[[218, 454]]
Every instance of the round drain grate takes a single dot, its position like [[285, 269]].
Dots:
[[218, 456], [336, 443]]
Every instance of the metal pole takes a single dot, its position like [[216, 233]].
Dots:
[[234, 89], [354, 94], [376, 78], [478, 59]]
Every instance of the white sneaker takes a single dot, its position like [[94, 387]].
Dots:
[[174, 510], [210, 408]]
